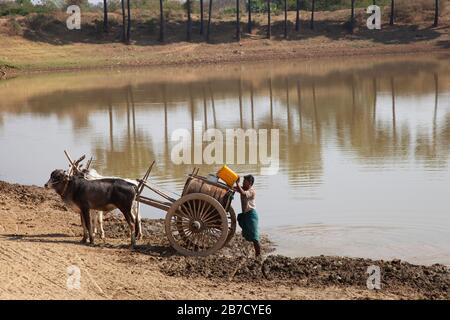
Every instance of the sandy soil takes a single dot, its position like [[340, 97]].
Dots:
[[39, 240]]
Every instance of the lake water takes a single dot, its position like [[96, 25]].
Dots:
[[364, 144]]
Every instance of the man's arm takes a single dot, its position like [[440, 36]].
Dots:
[[238, 188], [248, 193]]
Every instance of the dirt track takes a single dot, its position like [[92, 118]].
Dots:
[[39, 239]]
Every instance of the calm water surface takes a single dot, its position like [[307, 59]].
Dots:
[[364, 143]]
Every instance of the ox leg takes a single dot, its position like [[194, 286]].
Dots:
[[100, 223], [85, 232], [137, 220], [94, 218], [130, 220], [87, 220]]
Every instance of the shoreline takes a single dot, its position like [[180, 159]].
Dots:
[[53, 49], [8, 72], [39, 239]]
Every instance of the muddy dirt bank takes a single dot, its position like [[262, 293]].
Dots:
[[39, 238]]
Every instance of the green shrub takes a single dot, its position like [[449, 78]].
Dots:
[[39, 21], [113, 5], [260, 6], [229, 11], [153, 25], [322, 5], [14, 27], [25, 7]]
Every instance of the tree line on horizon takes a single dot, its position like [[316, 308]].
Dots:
[[23, 7], [311, 5]]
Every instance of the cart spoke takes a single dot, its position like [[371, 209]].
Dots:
[[180, 216], [186, 237], [201, 208], [183, 211], [205, 211], [213, 216], [191, 212], [180, 220], [209, 212], [186, 211], [180, 213], [208, 208], [214, 226], [194, 204]]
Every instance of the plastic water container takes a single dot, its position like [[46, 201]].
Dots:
[[212, 177], [227, 175]]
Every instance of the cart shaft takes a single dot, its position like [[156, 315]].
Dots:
[[162, 205]]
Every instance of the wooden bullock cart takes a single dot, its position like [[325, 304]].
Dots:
[[201, 221]]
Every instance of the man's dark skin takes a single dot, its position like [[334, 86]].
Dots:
[[245, 186]]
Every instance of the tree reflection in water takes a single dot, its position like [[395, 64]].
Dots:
[[331, 105]]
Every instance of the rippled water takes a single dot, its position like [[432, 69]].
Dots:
[[364, 143]]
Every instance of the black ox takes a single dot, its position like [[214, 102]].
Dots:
[[103, 194]]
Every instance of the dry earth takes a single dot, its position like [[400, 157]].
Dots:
[[39, 240]]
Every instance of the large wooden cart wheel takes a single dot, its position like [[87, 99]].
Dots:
[[196, 225], [231, 216]]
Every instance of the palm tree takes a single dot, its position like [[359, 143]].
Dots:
[[297, 18], [269, 27], [249, 23], [189, 20], [161, 20], [285, 18], [238, 21], [391, 22], [129, 22], [313, 8], [201, 16], [209, 20], [105, 16], [124, 33], [436, 13]]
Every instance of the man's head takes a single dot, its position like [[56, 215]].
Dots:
[[249, 180]]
